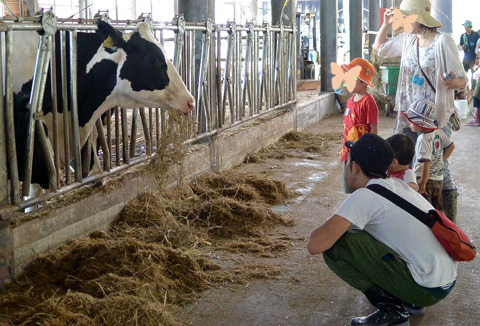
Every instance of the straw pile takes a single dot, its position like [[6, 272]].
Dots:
[[377, 91], [296, 144], [154, 258]]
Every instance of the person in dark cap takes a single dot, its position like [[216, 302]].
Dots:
[[380, 249]]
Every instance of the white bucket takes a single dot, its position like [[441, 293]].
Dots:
[[462, 107]]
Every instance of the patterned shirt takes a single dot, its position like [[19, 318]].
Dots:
[[357, 119], [415, 86], [429, 148]]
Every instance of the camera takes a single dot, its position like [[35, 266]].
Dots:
[[447, 76]]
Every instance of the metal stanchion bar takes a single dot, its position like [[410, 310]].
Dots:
[[133, 134], [218, 75], [53, 80], [74, 105], [10, 126], [65, 109], [109, 136], [35, 108], [150, 129], [117, 136], [126, 158], [4, 196], [146, 131], [103, 143], [87, 156]]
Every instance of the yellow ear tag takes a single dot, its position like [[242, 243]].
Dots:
[[108, 43]]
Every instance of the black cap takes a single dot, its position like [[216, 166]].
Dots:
[[372, 153]]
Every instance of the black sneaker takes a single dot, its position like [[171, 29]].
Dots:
[[414, 310], [383, 318]]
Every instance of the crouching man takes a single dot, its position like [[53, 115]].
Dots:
[[380, 249]]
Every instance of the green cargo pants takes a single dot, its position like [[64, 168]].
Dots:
[[365, 263]]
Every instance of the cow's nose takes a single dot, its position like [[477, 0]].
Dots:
[[191, 105]]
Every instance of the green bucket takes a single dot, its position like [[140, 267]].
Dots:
[[389, 79]]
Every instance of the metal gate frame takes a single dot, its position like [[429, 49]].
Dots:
[[256, 75]]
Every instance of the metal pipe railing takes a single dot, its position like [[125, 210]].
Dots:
[[10, 125], [243, 73]]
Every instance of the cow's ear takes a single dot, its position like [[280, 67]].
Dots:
[[112, 38]]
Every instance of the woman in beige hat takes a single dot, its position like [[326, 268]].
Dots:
[[430, 69]]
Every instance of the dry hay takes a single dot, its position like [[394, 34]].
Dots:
[[171, 150], [106, 281], [243, 186], [377, 91], [226, 217], [296, 144], [159, 218], [255, 271], [153, 257], [262, 247]]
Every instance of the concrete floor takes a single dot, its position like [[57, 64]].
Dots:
[[308, 293]]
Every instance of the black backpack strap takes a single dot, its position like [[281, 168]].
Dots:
[[402, 203]]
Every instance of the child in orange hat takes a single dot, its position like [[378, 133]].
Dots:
[[361, 112]]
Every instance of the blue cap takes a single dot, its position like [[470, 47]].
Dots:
[[467, 23]]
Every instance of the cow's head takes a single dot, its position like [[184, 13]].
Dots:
[[145, 77]]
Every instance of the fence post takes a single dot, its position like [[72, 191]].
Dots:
[[6, 254], [3, 149]]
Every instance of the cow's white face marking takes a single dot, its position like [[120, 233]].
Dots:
[[173, 95]]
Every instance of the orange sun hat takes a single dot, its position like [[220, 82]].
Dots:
[[366, 75]]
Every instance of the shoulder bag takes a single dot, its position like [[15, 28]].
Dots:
[[451, 237]]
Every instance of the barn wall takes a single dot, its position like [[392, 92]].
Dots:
[[221, 152]]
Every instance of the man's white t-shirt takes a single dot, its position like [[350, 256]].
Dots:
[[414, 242]]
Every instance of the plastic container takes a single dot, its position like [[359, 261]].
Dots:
[[389, 79], [342, 95], [462, 107]]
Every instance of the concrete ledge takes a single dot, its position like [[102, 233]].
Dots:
[[222, 152]]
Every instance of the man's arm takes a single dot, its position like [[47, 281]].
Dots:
[[325, 236]]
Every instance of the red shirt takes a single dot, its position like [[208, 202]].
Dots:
[[357, 119], [399, 175]]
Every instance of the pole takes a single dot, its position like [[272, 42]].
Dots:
[[328, 41]]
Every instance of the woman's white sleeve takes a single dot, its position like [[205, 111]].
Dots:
[[392, 47], [452, 60]]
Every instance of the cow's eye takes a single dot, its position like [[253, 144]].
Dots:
[[156, 60]]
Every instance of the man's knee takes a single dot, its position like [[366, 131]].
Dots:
[[356, 243]]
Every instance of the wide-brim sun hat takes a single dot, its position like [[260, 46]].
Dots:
[[422, 113], [420, 121], [423, 9]]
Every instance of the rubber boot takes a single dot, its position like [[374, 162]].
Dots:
[[475, 122], [391, 310], [449, 204]]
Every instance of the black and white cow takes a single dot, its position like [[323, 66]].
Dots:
[[114, 69]]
